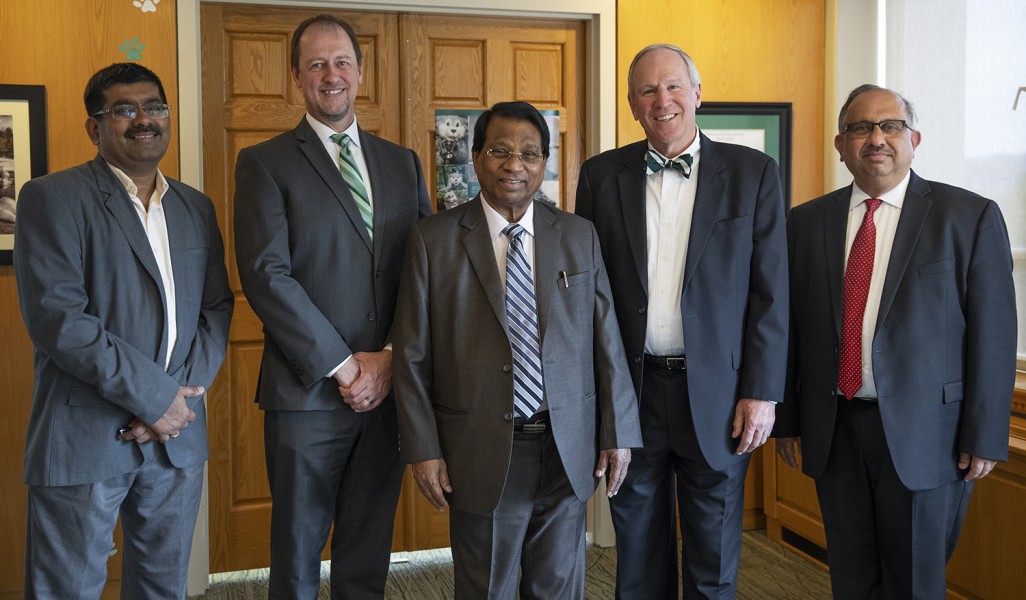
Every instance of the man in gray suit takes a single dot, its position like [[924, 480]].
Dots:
[[693, 235], [321, 218], [903, 355], [123, 288], [510, 374]]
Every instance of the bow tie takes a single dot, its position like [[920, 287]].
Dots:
[[681, 164]]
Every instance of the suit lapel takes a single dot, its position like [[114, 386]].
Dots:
[[380, 186], [478, 244], [835, 234], [177, 223], [116, 200], [547, 238], [910, 224], [631, 183], [712, 185], [313, 148]]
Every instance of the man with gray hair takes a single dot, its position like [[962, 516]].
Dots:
[[692, 233], [902, 356]]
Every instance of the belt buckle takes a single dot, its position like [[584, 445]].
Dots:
[[538, 427]]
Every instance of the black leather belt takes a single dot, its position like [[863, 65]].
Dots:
[[670, 363], [539, 423], [857, 399]]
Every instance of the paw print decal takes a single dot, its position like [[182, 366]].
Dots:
[[146, 5], [132, 49]]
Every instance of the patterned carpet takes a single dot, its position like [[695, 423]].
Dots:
[[768, 572]]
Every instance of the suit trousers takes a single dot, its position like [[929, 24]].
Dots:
[[70, 532], [672, 467], [883, 540], [324, 466], [533, 540]]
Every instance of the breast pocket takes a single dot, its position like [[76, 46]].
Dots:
[[727, 225], [937, 266]]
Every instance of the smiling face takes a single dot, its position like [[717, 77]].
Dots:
[[509, 185], [328, 74], [877, 162], [663, 100], [134, 146]]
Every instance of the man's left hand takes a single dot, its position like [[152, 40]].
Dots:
[[978, 467], [616, 460], [374, 382], [753, 422]]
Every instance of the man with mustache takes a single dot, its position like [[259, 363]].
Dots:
[[902, 357], [321, 218], [124, 292]]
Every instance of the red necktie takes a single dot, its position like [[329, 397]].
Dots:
[[856, 288]]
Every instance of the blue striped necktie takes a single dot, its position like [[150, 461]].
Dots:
[[522, 316], [347, 165]]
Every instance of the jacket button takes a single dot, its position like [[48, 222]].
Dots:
[[642, 310], [508, 417], [637, 360], [371, 316], [506, 368]]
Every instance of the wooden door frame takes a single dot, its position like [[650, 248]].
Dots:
[[600, 134]]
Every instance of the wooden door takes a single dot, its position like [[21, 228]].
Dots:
[[248, 97], [412, 65], [474, 62]]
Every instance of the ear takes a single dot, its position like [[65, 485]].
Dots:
[[698, 96], [295, 77], [92, 127], [916, 139], [634, 108], [839, 145]]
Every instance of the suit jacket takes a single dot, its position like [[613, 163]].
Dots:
[[307, 264], [734, 299], [93, 302], [944, 344], [453, 366]]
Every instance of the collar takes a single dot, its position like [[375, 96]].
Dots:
[[496, 222], [324, 132], [894, 196], [133, 190]]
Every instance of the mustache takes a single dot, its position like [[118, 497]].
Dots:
[[869, 149], [149, 128]]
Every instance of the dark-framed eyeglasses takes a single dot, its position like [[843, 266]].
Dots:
[[127, 112], [888, 127], [529, 158]]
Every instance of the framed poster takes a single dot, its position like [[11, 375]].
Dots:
[[764, 126], [22, 152]]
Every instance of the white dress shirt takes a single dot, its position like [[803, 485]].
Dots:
[[155, 225], [669, 205], [500, 246], [886, 220]]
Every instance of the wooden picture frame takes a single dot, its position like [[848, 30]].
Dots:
[[23, 152]]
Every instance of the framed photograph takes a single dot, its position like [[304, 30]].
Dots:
[[764, 126], [22, 152]]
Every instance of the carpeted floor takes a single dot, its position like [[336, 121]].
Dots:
[[768, 572]]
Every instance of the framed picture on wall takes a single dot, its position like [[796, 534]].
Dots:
[[22, 152], [764, 126]]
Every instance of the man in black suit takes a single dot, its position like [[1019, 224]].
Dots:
[[692, 232], [321, 218], [903, 355]]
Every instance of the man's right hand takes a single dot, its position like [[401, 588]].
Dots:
[[787, 450], [433, 479], [178, 415]]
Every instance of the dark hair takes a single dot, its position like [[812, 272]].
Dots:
[[115, 74], [868, 87], [516, 111], [323, 20]]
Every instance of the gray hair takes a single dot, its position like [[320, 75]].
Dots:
[[696, 79], [868, 87]]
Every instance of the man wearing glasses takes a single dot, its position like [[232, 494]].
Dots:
[[124, 292], [903, 355], [511, 380]]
